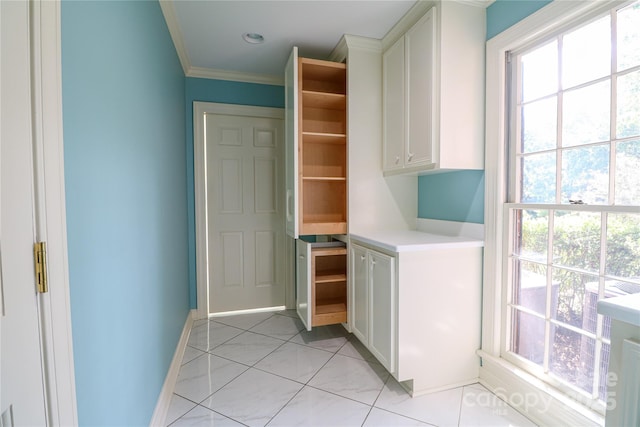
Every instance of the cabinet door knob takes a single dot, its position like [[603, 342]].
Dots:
[[409, 157], [362, 257], [397, 159], [301, 256]]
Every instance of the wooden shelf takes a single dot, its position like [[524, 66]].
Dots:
[[324, 138], [329, 285], [326, 218], [330, 312], [334, 305], [323, 76], [317, 227], [324, 160], [324, 100], [321, 120], [331, 277], [324, 178]]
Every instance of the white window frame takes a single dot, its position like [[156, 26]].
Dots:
[[536, 399]]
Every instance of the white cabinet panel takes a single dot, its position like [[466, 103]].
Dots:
[[382, 308], [420, 77], [291, 143], [374, 303], [303, 282], [360, 293], [394, 106]]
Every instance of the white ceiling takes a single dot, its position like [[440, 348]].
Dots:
[[208, 33]]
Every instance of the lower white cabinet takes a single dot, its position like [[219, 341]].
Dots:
[[418, 312], [373, 320]]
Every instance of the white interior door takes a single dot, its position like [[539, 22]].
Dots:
[[22, 392], [245, 212]]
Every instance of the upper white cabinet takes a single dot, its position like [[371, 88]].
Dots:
[[316, 146], [433, 92]]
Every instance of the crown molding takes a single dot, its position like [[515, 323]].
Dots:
[[176, 34], [416, 12], [234, 76], [349, 41], [479, 3], [189, 70]]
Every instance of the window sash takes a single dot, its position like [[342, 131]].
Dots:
[[514, 174]]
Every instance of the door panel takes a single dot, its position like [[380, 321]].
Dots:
[[231, 190], [232, 266], [394, 106], [360, 306], [420, 48], [266, 263], [22, 393], [245, 212], [266, 186], [382, 296]]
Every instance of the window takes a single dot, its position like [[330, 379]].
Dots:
[[573, 208]]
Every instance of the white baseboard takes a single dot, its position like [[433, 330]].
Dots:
[[541, 403], [162, 406]]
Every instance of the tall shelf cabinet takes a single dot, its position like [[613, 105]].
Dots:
[[316, 177], [318, 146]]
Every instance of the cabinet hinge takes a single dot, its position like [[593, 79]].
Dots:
[[40, 259]]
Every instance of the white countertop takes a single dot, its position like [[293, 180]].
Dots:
[[625, 308], [410, 240]]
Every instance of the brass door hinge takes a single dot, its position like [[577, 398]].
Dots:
[[40, 257]]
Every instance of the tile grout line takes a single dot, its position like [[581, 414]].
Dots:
[[349, 338]]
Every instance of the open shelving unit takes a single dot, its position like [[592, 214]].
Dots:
[[328, 285], [322, 147]]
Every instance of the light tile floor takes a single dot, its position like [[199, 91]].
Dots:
[[265, 369]]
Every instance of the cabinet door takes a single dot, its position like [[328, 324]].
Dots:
[[303, 282], [382, 308], [393, 120], [420, 50], [291, 142], [360, 294]]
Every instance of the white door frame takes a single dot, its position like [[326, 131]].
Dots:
[[50, 215], [200, 184]]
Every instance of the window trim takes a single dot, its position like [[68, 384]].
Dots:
[[496, 373]]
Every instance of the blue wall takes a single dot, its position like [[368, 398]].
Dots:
[[125, 176], [459, 196], [502, 14], [223, 92]]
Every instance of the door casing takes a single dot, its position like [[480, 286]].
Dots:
[[50, 215]]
